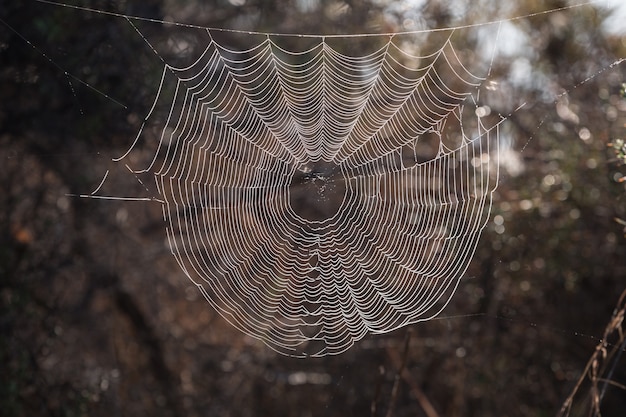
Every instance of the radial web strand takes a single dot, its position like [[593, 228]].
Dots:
[[315, 196]]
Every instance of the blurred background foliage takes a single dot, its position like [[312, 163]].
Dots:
[[96, 319]]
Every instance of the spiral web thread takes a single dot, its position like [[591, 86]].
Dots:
[[247, 129]]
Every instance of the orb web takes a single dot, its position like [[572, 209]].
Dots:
[[314, 195]]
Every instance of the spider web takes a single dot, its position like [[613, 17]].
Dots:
[[315, 196]]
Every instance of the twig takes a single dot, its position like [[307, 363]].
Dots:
[[616, 324], [425, 403], [396, 382], [381, 370], [599, 361], [417, 392]]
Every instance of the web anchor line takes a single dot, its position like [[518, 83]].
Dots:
[[113, 198], [300, 35]]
